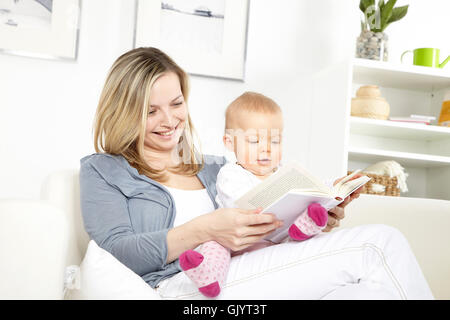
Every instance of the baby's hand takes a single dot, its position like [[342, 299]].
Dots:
[[338, 213]]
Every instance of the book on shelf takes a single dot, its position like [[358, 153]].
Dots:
[[444, 116], [414, 119], [290, 191], [418, 116]]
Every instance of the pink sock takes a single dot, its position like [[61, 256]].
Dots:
[[309, 223], [207, 267]]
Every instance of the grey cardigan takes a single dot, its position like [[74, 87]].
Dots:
[[129, 214]]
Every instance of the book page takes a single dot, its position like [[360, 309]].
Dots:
[[285, 179], [348, 187], [332, 203], [344, 180]]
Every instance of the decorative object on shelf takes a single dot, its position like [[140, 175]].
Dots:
[[372, 43], [426, 57], [43, 28], [392, 169], [444, 117], [381, 185], [206, 38], [388, 179], [369, 103]]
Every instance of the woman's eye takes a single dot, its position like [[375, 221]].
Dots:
[[151, 112], [276, 142], [178, 103], [253, 141]]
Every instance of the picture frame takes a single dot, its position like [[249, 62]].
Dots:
[[205, 37], [47, 29]]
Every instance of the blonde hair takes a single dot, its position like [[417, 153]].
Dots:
[[123, 108], [249, 102]]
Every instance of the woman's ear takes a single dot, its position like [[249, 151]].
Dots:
[[228, 142]]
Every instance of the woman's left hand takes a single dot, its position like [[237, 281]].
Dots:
[[338, 213]]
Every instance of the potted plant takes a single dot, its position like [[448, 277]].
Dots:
[[372, 43]]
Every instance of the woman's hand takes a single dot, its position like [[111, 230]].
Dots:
[[338, 213], [235, 229], [238, 229]]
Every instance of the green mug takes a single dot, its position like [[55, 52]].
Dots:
[[428, 57]]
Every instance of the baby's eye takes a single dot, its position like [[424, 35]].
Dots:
[[275, 139]]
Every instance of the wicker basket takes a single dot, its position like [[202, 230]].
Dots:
[[378, 182]]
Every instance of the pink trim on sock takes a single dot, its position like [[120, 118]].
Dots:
[[190, 259], [211, 290], [318, 214], [296, 234]]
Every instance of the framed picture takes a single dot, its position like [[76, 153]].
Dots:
[[205, 37], [40, 28]]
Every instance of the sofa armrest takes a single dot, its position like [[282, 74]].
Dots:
[[33, 245], [424, 222]]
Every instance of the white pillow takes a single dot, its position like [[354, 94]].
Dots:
[[103, 277]]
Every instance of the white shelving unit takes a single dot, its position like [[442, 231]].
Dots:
[[399, 130], [400, 76], [407, 158], [342, 142]]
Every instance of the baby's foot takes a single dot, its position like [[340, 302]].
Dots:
[[309, 223], [190, 261], [206, 270]]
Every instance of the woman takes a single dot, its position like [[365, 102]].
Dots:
[[148, 195]]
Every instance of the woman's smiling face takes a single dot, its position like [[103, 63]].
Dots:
[[167, 114]]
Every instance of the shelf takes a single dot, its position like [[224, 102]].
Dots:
[[401, 76], [404, 158], [423, 150], [397, 130]]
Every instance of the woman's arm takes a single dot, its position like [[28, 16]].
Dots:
[[184, 237], [106, 220], [235, 229]]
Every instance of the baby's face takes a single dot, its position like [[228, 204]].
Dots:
[[257, 143]]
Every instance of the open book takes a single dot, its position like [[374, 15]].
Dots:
[[290, 190]]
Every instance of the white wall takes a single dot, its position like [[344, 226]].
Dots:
[[47, 107]]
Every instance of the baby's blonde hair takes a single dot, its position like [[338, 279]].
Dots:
[[249, 102]]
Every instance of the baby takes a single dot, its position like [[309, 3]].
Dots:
[[253, 136]]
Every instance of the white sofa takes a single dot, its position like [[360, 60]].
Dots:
[[39, 239]]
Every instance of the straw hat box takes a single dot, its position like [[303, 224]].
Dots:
[[369, 103]]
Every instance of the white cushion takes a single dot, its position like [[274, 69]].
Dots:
[[103, 277], [62, 189]]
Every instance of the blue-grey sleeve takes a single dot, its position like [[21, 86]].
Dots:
[[106, 220]]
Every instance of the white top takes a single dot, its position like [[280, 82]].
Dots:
[[190, 204], [233, 182]]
